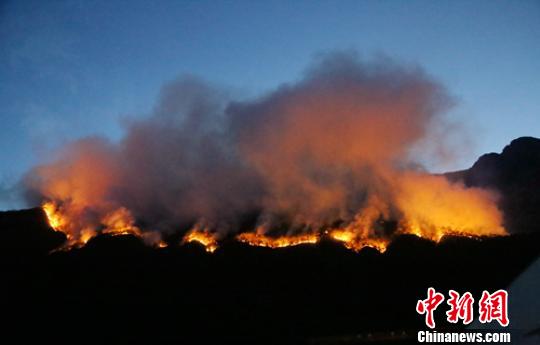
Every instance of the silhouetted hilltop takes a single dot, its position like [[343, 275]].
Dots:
[[515, 174], [26, 233]]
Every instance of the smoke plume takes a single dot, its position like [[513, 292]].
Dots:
[[332, 149]]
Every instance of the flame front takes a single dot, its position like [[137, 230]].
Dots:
[[115, 223], [351, 241], [202, 236], [416, 203], [424, 215], [54, 216], [260, 240]]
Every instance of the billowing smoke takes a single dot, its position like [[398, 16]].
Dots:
[[333, 148]]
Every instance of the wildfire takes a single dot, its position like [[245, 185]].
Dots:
[[84, 237], [54, 216], [120, 222], [434, 234], [116, 223], [260, 240], [202, 236], [356, 235], [428, 207], [433, 207], [351, 241], [337, 147]]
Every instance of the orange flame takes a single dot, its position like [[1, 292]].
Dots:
[[118, 222], [260, 240], [54, 216], [202, 236], [361, 232], [433, 207], [426, 206], [351, 241]]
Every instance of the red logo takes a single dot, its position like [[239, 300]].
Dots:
[[460, 307], [491, 307], [429, 305], [494, 307]]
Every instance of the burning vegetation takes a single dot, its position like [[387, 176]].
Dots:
[[203, 237], [355, 236], [118, 222], [261, 240], [332, 155]]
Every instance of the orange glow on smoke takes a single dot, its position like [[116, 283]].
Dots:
[[433, 207], [120, 222], [331, 154], [85, 236]]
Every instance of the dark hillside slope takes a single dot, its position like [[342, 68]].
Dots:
[[118, 290]]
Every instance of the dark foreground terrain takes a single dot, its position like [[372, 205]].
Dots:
[[116, 290]]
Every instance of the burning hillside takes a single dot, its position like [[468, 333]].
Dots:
[[319, 292], [330, 155]]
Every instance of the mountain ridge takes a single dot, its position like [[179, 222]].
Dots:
[[515, 175]]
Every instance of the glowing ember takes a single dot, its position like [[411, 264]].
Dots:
[[259, 240], [202, 236]]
